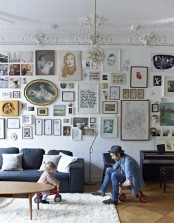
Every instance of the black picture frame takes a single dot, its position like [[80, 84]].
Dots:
[[155, 107]]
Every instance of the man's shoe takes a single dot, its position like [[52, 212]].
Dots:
[[98, 193], [110, 201]]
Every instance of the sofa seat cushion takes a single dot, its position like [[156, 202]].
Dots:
[[9, 150], [32, 158], [12, 161]]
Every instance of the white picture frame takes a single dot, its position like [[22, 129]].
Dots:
[[56, 127], [109, 126], [38, 126], [112, 60], [47, 127], [118, 79], [114, 92], [13, 123], [2, 128], [88, 98], [27, 132], [27, 119], [76, 134], [168, 89]]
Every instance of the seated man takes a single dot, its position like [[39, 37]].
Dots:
[[125, 172]]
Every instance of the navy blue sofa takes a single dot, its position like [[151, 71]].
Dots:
[[72, 182]]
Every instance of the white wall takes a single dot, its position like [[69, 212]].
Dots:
[[139, 56]]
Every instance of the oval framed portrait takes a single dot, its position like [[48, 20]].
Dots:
[[40, 92]]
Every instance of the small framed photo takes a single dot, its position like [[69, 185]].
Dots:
[[42, 111], [56, 127], [92, 120], [114, 93], [125, 93], [66, 130], [16, 94], [27, 132], [110, 107], [66, 121], [76, 134], [27, 119], [68, 96], [38, 126], [47, 127], [2, 128], [133, 93], [118, 78], [155, 107], [140, 93], [92, 126], [139, 76], [13, 123], [6, 95]]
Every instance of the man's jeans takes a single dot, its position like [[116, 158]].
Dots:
[[116, 177]]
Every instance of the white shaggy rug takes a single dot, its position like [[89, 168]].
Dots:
[[74, 208]]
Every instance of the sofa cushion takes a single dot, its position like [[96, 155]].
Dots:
[[56, 152], [64, 162], [32, 158], [12, 161], [49, 158], [8, 150]]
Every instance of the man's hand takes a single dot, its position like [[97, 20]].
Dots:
[[126, 183]]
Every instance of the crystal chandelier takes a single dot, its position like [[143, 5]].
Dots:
[[95, 53]]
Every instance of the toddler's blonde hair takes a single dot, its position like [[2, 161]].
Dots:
[[50, 165]]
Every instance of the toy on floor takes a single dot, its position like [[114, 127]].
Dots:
[[142, 198], [57, 197]]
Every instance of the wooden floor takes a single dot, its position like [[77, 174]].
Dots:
[[158, 209]]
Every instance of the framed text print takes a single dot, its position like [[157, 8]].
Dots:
[[135, 120], [139, 77], [88, 98]]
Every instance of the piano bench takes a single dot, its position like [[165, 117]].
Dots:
[[166, 176]]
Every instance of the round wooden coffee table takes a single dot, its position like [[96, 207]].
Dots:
[[11, 189]]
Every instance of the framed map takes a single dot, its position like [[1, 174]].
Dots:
[[135, 120]]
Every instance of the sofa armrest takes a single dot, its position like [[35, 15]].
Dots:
[[76, 176]]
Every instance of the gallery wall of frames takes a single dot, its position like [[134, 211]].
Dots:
[[127, 99]]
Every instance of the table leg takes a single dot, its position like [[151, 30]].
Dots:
[[37, 195], [30, 204]]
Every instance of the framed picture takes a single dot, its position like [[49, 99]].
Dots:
[[139, 76], [94, 76], [80, 120], [140, 93], [135, 120], [6, 95], [133, 93], [13, 123], [169, 145], [110, 107], [114, 93], [125, 93], [157, 80], [47, 127], [155, 107], [88, 98], [16, 94], [27, 119], [69, 66], [9, 108], [108, 127], [38, 126], [166, 114], [45, 62], [66, 130], [118, 79], [112, 60], [66, 121], [42, 111], [59, 110], [168, 86], [56, 127], [27, 132], [76, 134], [92, 120], [68, 96], [2, 128], [40, 92]]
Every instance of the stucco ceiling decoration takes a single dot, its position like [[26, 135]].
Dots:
[[121, 23]]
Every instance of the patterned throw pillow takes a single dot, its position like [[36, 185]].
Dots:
[[12, 161], [49, 158]]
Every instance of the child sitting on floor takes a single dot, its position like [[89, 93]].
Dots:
[[48, 178]]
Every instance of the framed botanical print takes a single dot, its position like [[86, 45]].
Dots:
[[110, 107], [47, 127], [38, 126], [108, 127], [40, 92], [69, 66], [56, 127], [45, 62], [139, 77], [112, 60], [88, 98], [133, 93], [9, 108], [125, 94], [135, 120], [140, 93], [76, 134]]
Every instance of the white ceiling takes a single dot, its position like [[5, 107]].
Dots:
[[65, 20]]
